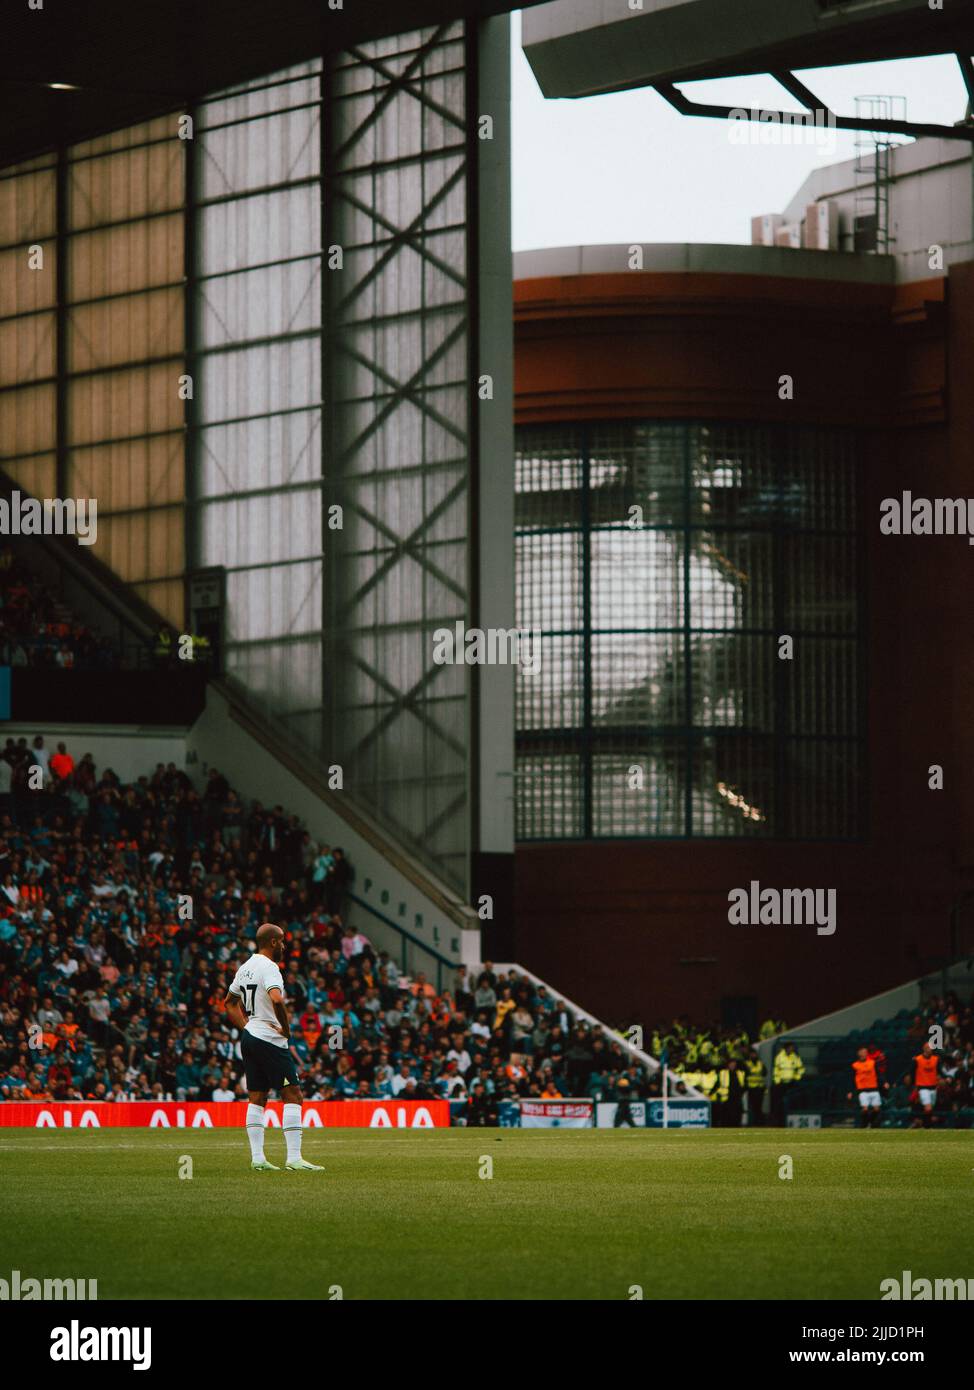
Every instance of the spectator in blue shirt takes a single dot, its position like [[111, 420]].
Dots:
[[188, 1077]]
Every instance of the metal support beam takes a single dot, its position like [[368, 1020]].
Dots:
[[397, 197], [682, 103], [800, 92], [191, 417]]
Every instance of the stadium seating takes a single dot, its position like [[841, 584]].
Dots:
[[108, 991], [37, 628]]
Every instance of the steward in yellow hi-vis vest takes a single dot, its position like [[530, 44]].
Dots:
[[756, 1081], [788, 1071], [756, 1073], [708, 1083], [788, 1066]]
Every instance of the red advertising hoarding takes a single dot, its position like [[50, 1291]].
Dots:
[[188, 1114]]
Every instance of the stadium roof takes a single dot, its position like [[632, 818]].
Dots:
[[581, 47], [115, 62]]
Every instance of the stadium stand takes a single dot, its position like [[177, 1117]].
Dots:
[[37, 629], [107, 993]]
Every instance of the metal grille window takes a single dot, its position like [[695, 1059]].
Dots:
[[662, 563]]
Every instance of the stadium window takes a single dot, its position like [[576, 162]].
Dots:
[[661, 562]]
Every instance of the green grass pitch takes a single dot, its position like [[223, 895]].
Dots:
[[579, 1214]]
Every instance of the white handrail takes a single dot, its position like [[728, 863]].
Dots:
[[645, 1058]]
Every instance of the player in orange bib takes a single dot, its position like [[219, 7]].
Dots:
[[867, 1088], [926, 1080]]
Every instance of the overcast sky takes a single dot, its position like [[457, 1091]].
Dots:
[[627, 167]]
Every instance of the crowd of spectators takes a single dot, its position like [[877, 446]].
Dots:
[[37, 629], [109, 991], [126, 909]]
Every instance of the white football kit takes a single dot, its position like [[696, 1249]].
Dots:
[[252, 981]]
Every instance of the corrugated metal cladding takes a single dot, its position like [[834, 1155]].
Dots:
[[92, 344], [315, 385]]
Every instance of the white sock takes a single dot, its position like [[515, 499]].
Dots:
[[255, 1131], [292, 1130]]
